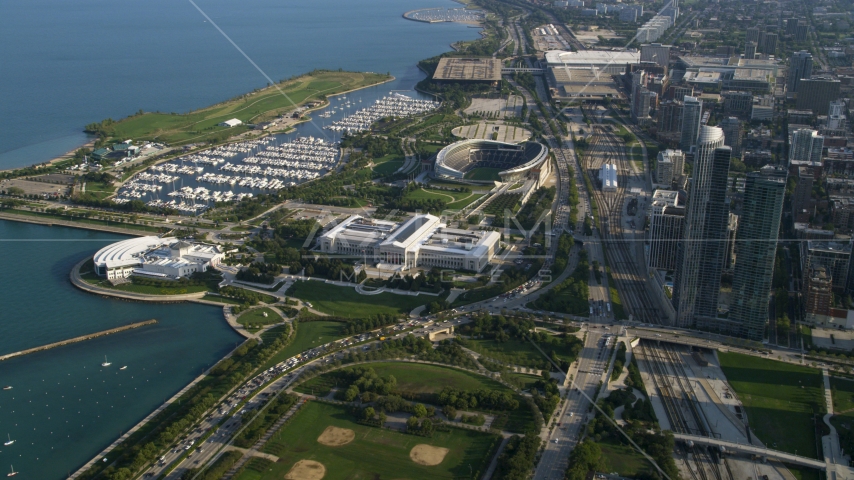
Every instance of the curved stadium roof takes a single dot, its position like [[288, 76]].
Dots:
[[456, 159], [127, 252]]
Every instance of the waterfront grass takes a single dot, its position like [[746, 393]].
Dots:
[[255, 318], [780, 399], [483, 173], [346, 302], [261, 105], [308, 335], [220, 299], [374, 452]]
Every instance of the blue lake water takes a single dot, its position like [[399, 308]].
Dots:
[[66, 64]]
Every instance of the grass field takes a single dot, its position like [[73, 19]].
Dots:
[[456, 200], [388, 164], [483, 173], [309, 335], [345, 301], [374, 453], [623, 459], [256, 318], [421, 381], [512, 351], [93, 279], [780, 399], [254, 107]]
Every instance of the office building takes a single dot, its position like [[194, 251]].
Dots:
[[669, 166], [801, 32], [733, 134], [692, 113], [750, 50], [753, 34], [700, 254], [738, 104], [756, 244], [670, 117], [656, 52], [816, 94], [805, 145], [802, 202], [818, 294], [791, 26], [800, 66], [665, 229], [769, 44], [835, 256]]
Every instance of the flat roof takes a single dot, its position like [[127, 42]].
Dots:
[[557, 57], [468, 69]]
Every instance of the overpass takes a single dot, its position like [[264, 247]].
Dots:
[[511, 71], [752, 450]]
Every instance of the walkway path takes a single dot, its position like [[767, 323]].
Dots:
[[830, 443]]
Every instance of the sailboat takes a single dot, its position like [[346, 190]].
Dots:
[[124, 367], [12, 473], [10, 441], [106, 363]]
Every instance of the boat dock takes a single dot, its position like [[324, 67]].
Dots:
[[77, 339]]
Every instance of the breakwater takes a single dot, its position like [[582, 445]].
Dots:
[[81, 338]]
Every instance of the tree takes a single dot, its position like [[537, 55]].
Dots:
[[412, 424], [351, 393], [419, 411], [368, 413]]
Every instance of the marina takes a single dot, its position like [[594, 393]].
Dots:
[[231, 173], [440, 15], [395, 105]]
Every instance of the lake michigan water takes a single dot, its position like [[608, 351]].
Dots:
[[69, 63]]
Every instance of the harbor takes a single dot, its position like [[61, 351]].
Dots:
[[395, 105]]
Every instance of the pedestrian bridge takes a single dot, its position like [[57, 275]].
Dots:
[[511, 71], [752, 450]]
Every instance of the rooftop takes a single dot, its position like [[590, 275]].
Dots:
[[471, 69]]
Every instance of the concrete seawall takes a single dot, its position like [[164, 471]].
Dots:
[[78, 282], [77, 339]]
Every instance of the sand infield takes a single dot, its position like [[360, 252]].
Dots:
[[306, 470], [429, 455], [335, 437]]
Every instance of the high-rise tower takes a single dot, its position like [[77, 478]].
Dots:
[[756, 243], [800, 67], [692, 113], [700, 256]]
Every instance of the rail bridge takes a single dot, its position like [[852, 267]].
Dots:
[[752, 450], [511, 71]]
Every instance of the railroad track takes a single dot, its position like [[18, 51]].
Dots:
[[627, 274], [682, 409]]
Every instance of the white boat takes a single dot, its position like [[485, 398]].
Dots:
[[124, 367], [12, 473], [9, 441], [7, 387], [106, 363]]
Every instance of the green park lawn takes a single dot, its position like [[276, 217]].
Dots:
[[624, 460], [308, 335], [255, 318], [780, 399], [254, 107], [421, 381], [388, 164], [512, 351], [375, 453], [483, 173], [346, 302], [456, 200]]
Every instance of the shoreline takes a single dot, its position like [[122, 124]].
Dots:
[[91, 143]]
